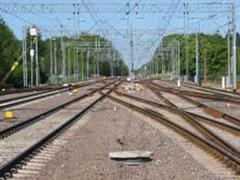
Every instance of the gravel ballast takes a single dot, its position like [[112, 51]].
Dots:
[[110, 128]]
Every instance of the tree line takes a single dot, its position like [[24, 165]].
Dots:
[[213, 54], [11, 51]]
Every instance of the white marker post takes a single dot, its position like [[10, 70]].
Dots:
[[223, 83], [178, 84]]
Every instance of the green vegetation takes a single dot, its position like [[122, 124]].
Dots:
[[11, 51], [213, 49]]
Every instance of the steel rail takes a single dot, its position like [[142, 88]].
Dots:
[[185, 132], [174, 110], [45, 91], [10, 167], [8, 131], [198, 126], [222, 114], [206, 89], [45, 94]]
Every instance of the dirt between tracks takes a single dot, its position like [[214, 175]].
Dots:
[[112, 128]]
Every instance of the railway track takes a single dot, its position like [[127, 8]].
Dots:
[[210, 89], [188, 91], [17, 148], [36, 89], [205, 89], [19, 126], [157, 89], [198, 93], [179, 122], [204, 129], [208, 96], [228, 127], [6, 103], [24, 90]]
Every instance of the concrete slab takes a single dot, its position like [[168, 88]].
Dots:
[[131, 155]]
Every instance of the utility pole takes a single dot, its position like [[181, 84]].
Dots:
[[178, 62], [111, 62], [75, 64], [87, 62], [69, 64], [34, 54], [205, 70], [32, 59], [109, 55], [197, 58], [98, 73], [150, 68], [162, 61], [234, 49], [185, 13], [173, 61], [131, 55], [82, 65], [37, 64], [63, 60], [51, 61], [114, 63], [229, 60], [24, 57], [55, 62], [95, 67]]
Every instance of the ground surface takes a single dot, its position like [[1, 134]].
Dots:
[[31, 109], [113, 128]]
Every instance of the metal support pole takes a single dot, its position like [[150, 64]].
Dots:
[[172, 62], [114, 63], [24, 56], [87, 75], [75, 65], [234, 49], [197, 58], [37, 69], [131, 55], [98, 47], [111, 62], [162, 62], [51, 61], [179, 61], [186, 40], [55, 62], [82, 65], [32, 59], [69, 64], [63, 60], [156, 65], [229, 60], [95, 67], [175, 59]]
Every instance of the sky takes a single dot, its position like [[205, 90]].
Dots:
[[147, 28]]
